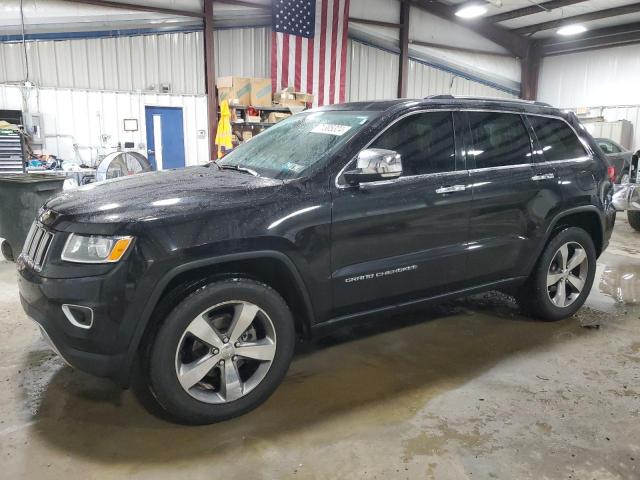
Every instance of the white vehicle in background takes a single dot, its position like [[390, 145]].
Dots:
[[627, 191]]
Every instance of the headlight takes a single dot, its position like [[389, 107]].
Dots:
[[95, 248]]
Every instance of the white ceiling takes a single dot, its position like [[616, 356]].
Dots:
[[558, 14]]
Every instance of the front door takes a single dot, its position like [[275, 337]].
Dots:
[[165, 137], [405, 238]]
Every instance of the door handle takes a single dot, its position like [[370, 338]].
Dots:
[[544, 176], [150, 152], [451, 189]]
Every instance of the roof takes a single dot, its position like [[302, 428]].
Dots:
[[444, 101]]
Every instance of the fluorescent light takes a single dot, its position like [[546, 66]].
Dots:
[[472, 10], [573, 29]]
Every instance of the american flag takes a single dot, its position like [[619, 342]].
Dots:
[[309, 47]]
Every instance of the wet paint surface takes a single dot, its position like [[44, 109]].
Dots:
[[467, 389]]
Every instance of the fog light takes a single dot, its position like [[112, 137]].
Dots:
[[79, 316]]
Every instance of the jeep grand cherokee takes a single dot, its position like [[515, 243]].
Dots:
[[196, 283]]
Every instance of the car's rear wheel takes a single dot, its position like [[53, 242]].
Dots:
[[562, 278], [221, 352], [634, 219]]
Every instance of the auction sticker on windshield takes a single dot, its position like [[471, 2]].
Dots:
[[331, 129]]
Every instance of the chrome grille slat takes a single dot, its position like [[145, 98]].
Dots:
[[29, 240], [36, 241], [37, 244]]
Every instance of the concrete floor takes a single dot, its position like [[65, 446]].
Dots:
[[470, 389]]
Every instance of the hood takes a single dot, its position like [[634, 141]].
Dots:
[[161, 195]]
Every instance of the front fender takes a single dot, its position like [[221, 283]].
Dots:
[[166, 279]]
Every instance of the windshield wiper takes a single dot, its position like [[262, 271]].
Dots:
[[238, 168]]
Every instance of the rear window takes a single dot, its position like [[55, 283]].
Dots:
[[557, 140], [499, 139]]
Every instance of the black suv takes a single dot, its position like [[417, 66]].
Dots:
[[196, 283]]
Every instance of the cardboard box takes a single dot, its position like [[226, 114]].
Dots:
[[304, 97], [253, 118], [260, 92], [236, 90], [275, 117], [287, 102]]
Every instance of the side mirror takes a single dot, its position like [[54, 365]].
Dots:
[[375, 164]]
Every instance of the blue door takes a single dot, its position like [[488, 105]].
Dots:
[[165, 137]]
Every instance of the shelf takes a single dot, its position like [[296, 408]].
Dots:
[[266, 109], [253, 124]]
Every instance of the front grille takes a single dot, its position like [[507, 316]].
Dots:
[[37, 245]]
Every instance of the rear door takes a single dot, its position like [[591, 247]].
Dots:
[[404, 238], [504, 196], [560, 149]]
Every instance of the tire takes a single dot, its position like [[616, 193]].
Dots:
[[634, 219], [544, 302], [242, 383]]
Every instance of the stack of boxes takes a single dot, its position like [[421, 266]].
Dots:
[[256, 92]]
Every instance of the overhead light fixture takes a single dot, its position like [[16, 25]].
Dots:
[[471, 10], [573, 29]]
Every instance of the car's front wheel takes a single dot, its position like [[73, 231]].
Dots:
[[221, 352], [562, 279]]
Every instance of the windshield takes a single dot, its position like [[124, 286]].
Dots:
[[296, 144]]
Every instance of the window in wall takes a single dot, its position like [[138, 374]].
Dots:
[[424, 140], [557, 140], [499, 139]]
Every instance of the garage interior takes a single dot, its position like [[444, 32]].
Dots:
[[92, 90]]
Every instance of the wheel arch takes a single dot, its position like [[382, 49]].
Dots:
[[587, 217], [270, 267]]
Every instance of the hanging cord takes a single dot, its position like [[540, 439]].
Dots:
[[24, 41]]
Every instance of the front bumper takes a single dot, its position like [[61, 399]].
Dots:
[[99, 350], [626, 196]]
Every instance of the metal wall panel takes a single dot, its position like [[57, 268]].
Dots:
[[243, 52], [599, 77], [372, 73], [82, 117], [138, 63], [425, 80]]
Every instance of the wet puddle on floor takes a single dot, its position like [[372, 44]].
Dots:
[[617, 283]]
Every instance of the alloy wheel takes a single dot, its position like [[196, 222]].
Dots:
[[567, 274], [225, 352]]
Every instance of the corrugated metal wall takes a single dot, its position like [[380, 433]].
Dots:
[[243, 51], [425, 80], [81, 117], [372, 73], [599, 77], [138, 63]]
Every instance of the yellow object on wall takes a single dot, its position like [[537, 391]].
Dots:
[[223, 134]]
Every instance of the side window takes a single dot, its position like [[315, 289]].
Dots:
[[425, 141], [499, 139], [557, 140]]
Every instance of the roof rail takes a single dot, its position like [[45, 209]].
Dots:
[[489, 99]]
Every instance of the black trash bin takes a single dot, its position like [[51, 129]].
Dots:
[[20, 198]]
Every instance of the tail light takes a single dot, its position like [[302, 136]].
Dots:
[[611, 173]]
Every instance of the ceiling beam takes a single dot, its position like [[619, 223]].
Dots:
[[594, 39], [585, 17], [243, 3], [442, 46], [139, 8], [377, 23], [532, 9], [512, 42]]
